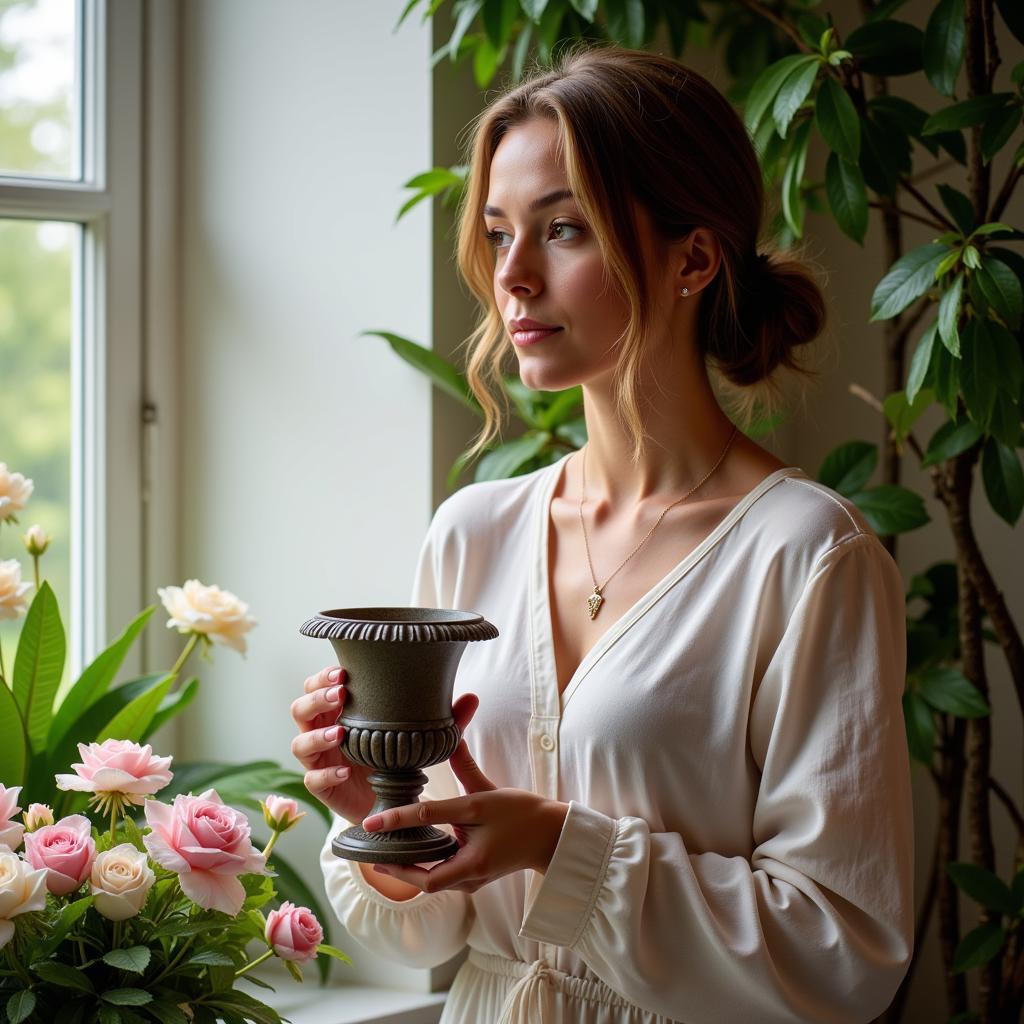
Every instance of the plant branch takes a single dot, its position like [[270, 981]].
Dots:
[[930, 172], [880, 205], [1007, 801], [1005, 193], [763, 11], [939, 216], [991, 47]]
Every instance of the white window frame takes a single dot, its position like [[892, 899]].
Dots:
[[106, 350]]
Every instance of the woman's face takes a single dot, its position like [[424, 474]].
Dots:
[[548, 266]]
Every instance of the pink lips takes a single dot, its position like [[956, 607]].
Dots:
[[528, 332]]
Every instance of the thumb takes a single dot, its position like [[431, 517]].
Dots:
[[467, 771]]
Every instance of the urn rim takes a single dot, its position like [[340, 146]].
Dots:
[[391, 624]]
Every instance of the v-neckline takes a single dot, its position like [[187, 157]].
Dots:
[[547, 674]]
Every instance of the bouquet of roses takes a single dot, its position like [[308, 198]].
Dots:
[[129, 923]]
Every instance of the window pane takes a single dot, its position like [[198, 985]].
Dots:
[[37, 273], [40, 124]]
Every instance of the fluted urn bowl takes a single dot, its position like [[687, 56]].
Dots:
[[397, 718]]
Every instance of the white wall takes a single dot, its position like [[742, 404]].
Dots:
[[305, 453]]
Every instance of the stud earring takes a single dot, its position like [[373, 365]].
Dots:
[[684, 291]]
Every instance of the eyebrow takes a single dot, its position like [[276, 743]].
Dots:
[[537, 204]]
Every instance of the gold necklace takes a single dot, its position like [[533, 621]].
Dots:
[[595, 600]]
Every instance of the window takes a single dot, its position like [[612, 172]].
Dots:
[[70, 329]]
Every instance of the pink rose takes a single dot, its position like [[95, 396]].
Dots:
[[280, 812], [66, 850], [293, 932], [207, 844], [10, 831], [117, 769]]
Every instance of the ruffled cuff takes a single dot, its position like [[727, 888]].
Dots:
[[563, 903], [376, 896]]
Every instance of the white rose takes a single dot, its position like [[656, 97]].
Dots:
[[22, 889], [37, 540], [120, 882], [216, 613], [12, 590], [15, 491]]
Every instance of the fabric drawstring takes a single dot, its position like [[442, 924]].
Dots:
[[531, 998]]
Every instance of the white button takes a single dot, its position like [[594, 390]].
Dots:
[[546, 742]]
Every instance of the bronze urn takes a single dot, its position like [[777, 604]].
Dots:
[[397, 718]]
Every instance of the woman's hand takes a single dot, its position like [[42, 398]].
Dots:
[[498, 830], [334, 780]]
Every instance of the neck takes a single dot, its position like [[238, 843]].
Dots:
[[686, 432]]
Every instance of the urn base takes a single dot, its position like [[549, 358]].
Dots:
[[403, 846]]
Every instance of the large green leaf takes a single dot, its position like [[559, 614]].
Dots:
[[20, 1006], [94, 680], [39, 665], [12, 740], [949, 690], [625, 21], [505, 460], [921, 362], [442, 373], [837, 120], [848, 468], [171, 706], [949, 312], [847, 196], [978, 946], [887, 47], [903, 414], [966, 113], [944, 38], [766, 87], [950, 440], [1004, 481], [131, 722], [982, 886], [890, 509], [908, 278], [945, 378], [792, 180], [998, 130], [885, 154], [920, 727], [959, 206], [1001, 287], [791, 95]]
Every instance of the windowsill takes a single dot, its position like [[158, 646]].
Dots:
[[349, 1004], [357, 1004]]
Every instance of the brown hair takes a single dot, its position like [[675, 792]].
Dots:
[[637, 126]]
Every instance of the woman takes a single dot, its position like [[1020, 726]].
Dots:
[[688, 793]]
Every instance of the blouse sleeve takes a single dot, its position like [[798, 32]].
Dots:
[[818, 924], [430, 928]]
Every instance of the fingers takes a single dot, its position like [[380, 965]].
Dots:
[[468, 772], [321, 781], [328, 676], [464, 709], [308, 746], [461, 810], [321, 701]]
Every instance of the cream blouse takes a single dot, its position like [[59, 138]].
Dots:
[[739, 839]]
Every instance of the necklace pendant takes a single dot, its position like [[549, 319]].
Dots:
[[594, 603]]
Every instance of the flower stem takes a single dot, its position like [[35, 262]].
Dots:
[[270, 845], [3, 672], [113, 823], [35, 564], [189, 647], [254, 963]]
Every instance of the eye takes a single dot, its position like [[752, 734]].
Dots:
[[561, 226], [493, 236]]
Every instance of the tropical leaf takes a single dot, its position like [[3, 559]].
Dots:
[[38, 665]]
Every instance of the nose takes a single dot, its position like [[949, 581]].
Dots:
[[520, 273]]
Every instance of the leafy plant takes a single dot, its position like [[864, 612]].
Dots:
[[957, 300]]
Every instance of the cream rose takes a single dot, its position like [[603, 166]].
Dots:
[[216, 614], [15, 491], [36, 540], [21, 890], [120, 881], [12, 590]]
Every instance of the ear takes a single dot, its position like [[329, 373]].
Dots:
[[697, 259]]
